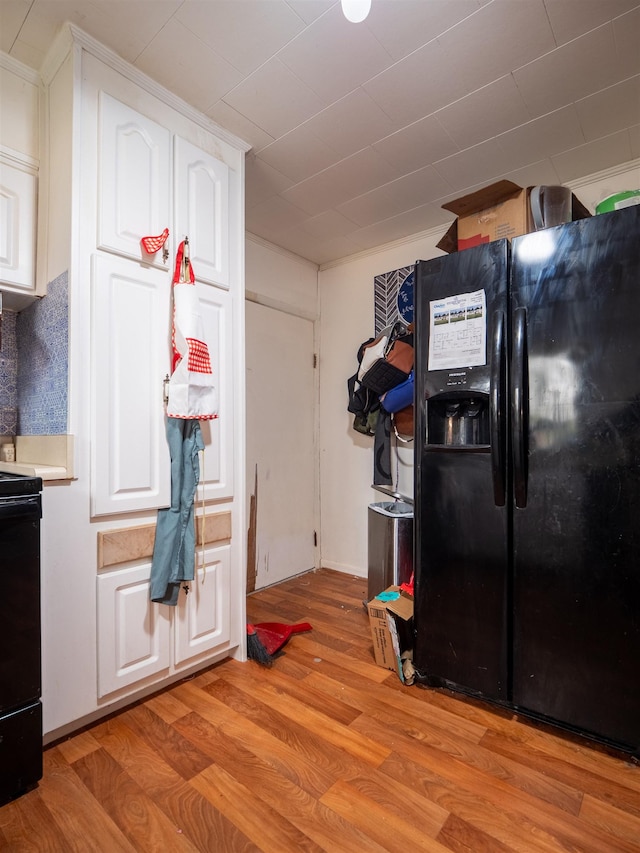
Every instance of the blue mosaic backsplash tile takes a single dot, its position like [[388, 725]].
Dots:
[[8, 374], [42, 333]]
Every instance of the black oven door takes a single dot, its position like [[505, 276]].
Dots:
[[19, 601]]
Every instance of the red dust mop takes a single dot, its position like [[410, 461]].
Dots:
[[265, 639]]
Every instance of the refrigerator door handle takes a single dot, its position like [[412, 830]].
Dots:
[[519, 407], [496, 408]]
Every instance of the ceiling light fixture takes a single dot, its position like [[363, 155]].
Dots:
[[355, 10]]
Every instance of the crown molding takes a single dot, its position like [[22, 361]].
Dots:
[[19, 160], [58, 51], [8, 63], [606, 174], [70, 35]]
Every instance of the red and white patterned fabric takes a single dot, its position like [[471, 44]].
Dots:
[[192, 393], [151, 245], [199, 360]]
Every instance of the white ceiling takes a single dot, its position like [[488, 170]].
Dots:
[[361, 131]]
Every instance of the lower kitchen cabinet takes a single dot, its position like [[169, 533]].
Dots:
[[201, 620], [140, 642], [134, 634]]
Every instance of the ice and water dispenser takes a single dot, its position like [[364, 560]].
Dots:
[[455, 420]]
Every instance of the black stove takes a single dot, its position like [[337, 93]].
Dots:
[[13, 485], [20, 680]]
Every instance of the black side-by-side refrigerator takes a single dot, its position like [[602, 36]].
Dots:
[[527, 474]]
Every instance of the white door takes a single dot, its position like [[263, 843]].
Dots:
[[134, 180], [202, 622], [281, 440], [130, 465], [201, 191], [216, 472], [133, 633]]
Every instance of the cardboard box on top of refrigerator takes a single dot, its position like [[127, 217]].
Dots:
[[391, 623], [499, 210]]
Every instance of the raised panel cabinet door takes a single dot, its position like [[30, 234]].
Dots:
[[216, 468], [202, 616], [17, 228], [134, 634], [201, 192], [130, 463], [134, 180]]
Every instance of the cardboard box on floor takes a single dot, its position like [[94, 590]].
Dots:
[[498, 210], [391, 624]]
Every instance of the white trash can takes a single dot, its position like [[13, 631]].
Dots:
[[390, 551]]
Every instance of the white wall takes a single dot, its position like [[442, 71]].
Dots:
[[346, 457], [19, 96], [279, 279], [347, 319]]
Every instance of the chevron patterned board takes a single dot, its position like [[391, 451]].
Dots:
[[385, 294]]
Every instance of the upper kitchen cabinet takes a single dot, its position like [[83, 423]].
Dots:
[[147, 166], [216, 476], [151, 179], [17, 228], [201, 201], [19, 170], [134, 180]]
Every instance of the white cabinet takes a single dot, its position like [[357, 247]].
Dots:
[[126, 159], [134, 635], [216, 473], [130, 358], [201, 194], [18, 189], [201, 619], [140, 642], [149, 179], [134, 180], [129, 354]]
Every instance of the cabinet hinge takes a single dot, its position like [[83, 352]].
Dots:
[[315, 361], [315, 539]]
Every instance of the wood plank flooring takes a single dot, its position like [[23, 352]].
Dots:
[[325, 751]]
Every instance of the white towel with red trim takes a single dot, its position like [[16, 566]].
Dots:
[[192, 393]]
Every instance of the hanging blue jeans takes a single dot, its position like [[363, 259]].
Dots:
[[174, 550]]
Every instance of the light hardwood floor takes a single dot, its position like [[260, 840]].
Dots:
[[324, 751]]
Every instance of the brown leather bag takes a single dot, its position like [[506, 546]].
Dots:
[[403, 423], [400, 355]]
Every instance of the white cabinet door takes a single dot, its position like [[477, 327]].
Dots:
[[133, 632], [134, 180], [17, 228], [216, 474], [202, 617], [201, 191], [130, 357]]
